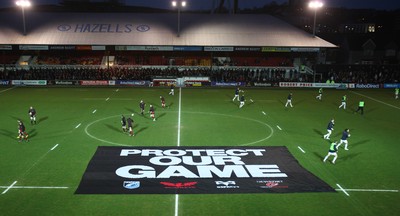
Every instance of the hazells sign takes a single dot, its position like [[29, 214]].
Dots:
[[152, 170]]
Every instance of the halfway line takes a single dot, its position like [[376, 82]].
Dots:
[[344, 191], [178, 144], [370, 190], [9, 187]]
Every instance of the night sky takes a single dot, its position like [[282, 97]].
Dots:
[[207, 4]]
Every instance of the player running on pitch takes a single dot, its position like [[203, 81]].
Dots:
[[345, 135], [142, 104], [329, 129], [237, 90], [344, 99], [152, 113], [32, 115], [396, 93], [319, 96], [242, 100], [21, 132], [123, 122], [130, 126], [289, 100], [332, 151], [361, 105], [172, 91], [162, 101]]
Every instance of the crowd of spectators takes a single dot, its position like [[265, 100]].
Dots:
[[338, 74], [117, 73]]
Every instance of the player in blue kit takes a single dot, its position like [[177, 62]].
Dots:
[[329, 129], [142, 104], [236, 94], [345, 135], [123, 122], [289, 100]]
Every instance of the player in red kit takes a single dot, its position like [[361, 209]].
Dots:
[[130, 126], [21, 132], [152, 113], [162, 101]]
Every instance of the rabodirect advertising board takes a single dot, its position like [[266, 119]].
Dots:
[[4, 82], [367, 86], [197, 170]]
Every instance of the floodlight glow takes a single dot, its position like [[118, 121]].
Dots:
[[23, 3], [174, 3], [183, 3], [315, 4]]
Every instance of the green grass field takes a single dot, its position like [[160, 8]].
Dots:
[[208, 118]]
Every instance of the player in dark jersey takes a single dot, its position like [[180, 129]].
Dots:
[[242, 100], [21, 132], [236, 94], [142, 104], [172, 90], [162, 101], [289, 100], [32, 115], [123, 122], [152, 113], [130, 126], [329, 129], [345, 135]]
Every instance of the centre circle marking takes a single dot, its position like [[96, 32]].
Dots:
[[204, 113]]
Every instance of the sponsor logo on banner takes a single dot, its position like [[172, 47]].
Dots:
[[295, 84], [93, 82], [228, 83], [131, 184], [64, 83], [179, 185], [391, 85], [131, 82], [263, 84], [4, 82], [200, 169], [367, 86], [226, 184], [29, 82], [103, 28], [271, 184]]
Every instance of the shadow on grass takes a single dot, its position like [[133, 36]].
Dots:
[[318, 132], [131, 110], [298, 102], [141, 130], [161, 115], [112, 127], [319, 156], [359, 143], [32, 133], [349, 156], [44, 118], [7, 133]]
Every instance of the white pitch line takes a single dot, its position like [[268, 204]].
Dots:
[[117, 90], [279, 127], [370, 190], [178, 144], [301, 149], [8, 89], [35, 187], [251, 100], [344, 191], [376, 100], [78, 125], [54, 147], [264, 113], [107, 99], [94, 111], [9, 187]]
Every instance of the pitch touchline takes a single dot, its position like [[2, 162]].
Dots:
[[344, 191], [35, 187], [8, 89]]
